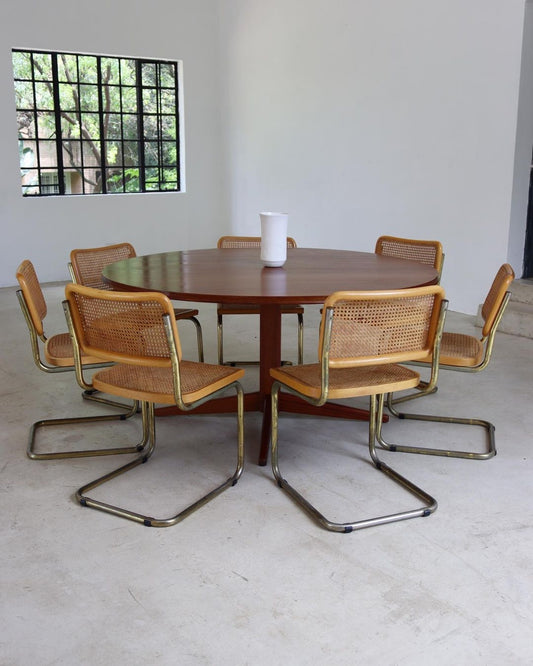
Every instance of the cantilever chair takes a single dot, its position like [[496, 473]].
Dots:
[[138, 332], [59, 357], [465, 353], [86, 267], [424, 251], [240, 242], [364, 337]]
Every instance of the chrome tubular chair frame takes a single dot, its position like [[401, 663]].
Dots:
[[236, 242], [26, 270], [148, 417], [86, 265], [503, 279], [322, 391]]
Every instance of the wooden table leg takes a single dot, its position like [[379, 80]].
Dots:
[[269, 357]]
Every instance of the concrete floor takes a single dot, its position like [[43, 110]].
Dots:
[[249, 578]]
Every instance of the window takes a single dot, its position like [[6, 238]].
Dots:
[[91, 124]]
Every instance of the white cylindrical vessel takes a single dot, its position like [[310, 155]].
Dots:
[[273, 238]]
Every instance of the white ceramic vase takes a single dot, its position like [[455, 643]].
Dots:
[[273, 238]]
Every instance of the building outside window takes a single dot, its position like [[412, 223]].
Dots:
[[92, 124]]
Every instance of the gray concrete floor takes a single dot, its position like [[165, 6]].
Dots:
[[249, 578]]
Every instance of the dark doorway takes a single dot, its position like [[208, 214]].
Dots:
[[528, 246]]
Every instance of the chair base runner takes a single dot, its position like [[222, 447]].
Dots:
[[375, 419], [489, 428], [58, 455], [148, 414]]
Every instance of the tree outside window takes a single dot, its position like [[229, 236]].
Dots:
[[91, 124]]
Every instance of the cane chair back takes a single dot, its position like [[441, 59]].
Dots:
[[86, 266], [138, 333], [424, 251], [466, 353], [364, 339], [243, 242], [58, 356]]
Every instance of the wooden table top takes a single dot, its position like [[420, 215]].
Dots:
[[237, 275]]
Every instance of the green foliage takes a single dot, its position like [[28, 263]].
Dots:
[[101, 126]]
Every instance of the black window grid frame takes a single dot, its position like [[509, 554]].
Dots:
[[161, 183]]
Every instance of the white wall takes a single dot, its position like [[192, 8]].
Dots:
[[356, 117], [46, 229], [524, 143], [360, 118]]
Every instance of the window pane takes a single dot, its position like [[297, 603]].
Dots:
[[133, 183], [43, 96], [49, 182], [89, 98], [115, 181], [42, 66], [27, 150], [91, 181], [114, 126], [110, 70], [46, 127], [88, 68], [91, 125], [150, 101], [130, 127], [67, 97], [30, 182], [151, 154], [128, 76], [168, 153], [26, 125], [131, 152], [69, 129], [113, 153], [151, 130], [111, 98], [170, 178], [168, 101], [129, 100], [152, 175], [22, 65], [24, 94], [148, 74], [67, 66], [72, 153], [168, 75], [168, 127], [48, 154], [91, 154]]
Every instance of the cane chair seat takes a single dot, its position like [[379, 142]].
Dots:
[[58, 351], [58, 355], [347, 382], [138, 332], [364, 339], [86, 266], [460, 350], [242, 242], [156, 385], [466, 353], [423, 251]]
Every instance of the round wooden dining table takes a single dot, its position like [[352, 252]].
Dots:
[[237, 276]]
